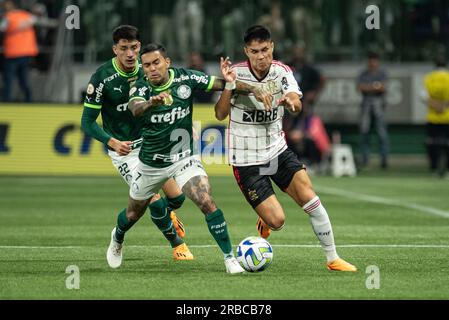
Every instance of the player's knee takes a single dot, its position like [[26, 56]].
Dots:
[[155, 198], [176, 203], [278, 226], [277, 223], [158, 208]]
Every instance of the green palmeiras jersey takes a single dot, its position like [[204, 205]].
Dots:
[[108, 91], [167, 129]]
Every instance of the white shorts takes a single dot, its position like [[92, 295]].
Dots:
[[126, 165], [148, 180]]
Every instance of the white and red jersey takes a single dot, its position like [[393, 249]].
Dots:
[[255, 135]]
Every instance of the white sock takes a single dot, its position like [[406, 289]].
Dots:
[[322, 227]]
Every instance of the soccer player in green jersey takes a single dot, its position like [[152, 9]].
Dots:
[[108, 94], [163, 102]]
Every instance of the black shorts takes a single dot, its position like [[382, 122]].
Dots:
[[438, 133], [254, 181]]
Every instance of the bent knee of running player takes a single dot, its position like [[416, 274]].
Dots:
[[171, 189], [198, 190], [271, 212]]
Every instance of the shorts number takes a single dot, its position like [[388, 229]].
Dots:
[[123, 169]]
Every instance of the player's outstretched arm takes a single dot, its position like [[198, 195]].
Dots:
[[229, 81], [292, 102], [223, 105], [139, 106]]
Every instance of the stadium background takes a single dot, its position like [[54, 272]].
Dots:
[[410, 34], [46, 161]]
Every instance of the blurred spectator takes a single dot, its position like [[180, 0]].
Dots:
[[43, 26], [372, 84], [188, 18], [272, 19], [308, 77], [436, 96], [306, 134], [197, 63], [233, 26], [19, 45], [161, 28], [301, 24]]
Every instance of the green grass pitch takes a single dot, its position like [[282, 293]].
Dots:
[[397, 222]]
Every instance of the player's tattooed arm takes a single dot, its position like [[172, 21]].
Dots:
[[198, 190], [230, 82], [138, 107]]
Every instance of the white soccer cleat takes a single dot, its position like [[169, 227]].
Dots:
[[114, 253], [233, 266]]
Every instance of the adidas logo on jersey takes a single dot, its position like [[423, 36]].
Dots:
[[260, 116]]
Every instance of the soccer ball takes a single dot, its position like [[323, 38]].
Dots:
[[255, 254]]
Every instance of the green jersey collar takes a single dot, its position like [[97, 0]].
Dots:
[[167, 84], [123, 73]]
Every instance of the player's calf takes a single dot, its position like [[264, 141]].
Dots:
[[161, 218]]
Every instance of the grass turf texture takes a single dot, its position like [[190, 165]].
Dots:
[[49, 223]]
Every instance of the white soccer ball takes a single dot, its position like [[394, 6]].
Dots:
[[255, 254]]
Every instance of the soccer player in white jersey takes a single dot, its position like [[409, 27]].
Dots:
[[258, 151]]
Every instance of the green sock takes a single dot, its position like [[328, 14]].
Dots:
[[217, 227], [123, 225], [161, 218], [175, 203]]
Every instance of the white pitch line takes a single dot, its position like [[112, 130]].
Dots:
[[382, 200], [274, 245]]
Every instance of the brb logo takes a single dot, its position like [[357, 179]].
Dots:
[[260, 116]]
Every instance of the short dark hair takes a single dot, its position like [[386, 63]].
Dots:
[[373, 55], [125, 32], [154, 47], [257, 33]]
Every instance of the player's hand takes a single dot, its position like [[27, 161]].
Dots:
[[263, 96], [162, 99], [123, 148], [228, 73], [287, 103]]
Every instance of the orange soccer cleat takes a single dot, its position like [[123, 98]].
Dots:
[[262, 228], [182, 252], [179, 226], [340, 265]]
